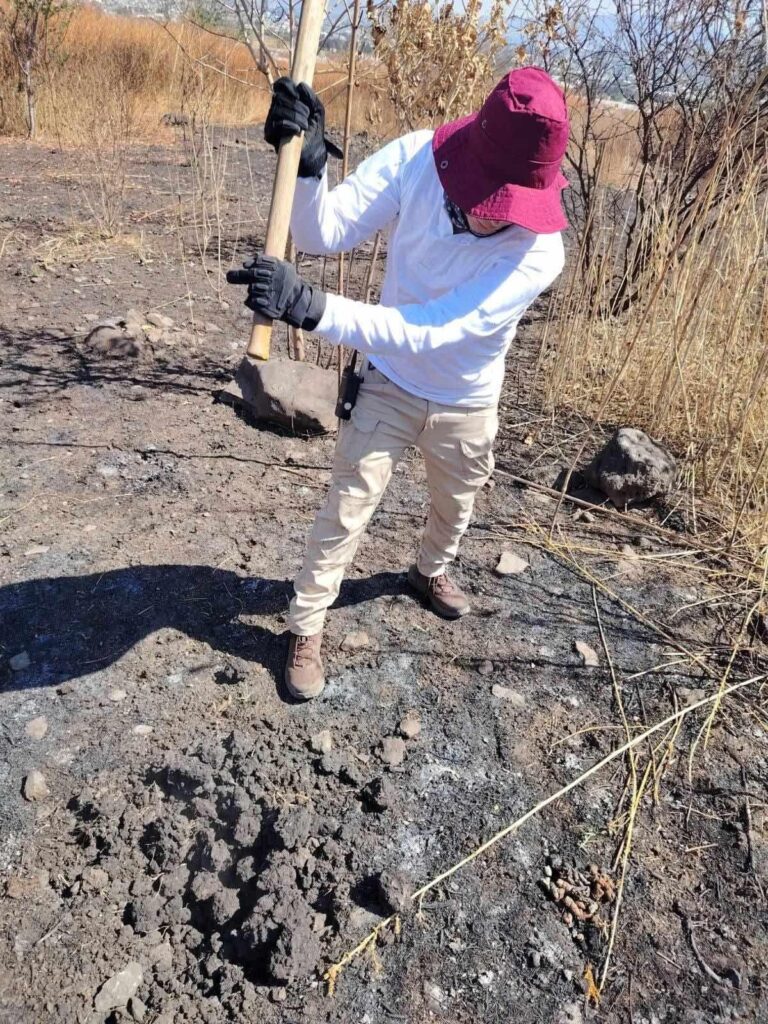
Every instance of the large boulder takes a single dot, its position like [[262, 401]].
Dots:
[[632, 467], [298, 396]]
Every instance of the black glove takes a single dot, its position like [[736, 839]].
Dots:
[[295, 109], [277, 291]]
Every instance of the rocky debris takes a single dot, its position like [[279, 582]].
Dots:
[[394, 889], [142, 729], [19, 661], [509, 696], [36, 728], [587, 654], [510, 564], [485, 668], [355, 641], [115, 340], [35, 787], [37, 549], [156, 319], [137, 1009], [410, 726], [26, 887], [632, 467], [321, 742], [298, 396], [583, 515], [95, 878], [117, 695], [392, 750], [581, 896], [117, 990], [380, 794]]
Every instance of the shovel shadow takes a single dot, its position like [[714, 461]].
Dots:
[[72, 626]]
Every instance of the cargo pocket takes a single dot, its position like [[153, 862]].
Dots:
[[478, 459], [356, 436]]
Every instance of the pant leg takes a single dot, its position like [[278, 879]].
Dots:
[[385, 421], [457, 447]]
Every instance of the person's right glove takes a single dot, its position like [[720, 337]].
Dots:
[[278, 292], [296, 108]]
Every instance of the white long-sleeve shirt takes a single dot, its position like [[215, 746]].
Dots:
[[450, 303]]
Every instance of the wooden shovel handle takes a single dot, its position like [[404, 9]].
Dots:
[[289, 154]]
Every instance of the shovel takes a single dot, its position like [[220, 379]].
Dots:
[[292, 394]]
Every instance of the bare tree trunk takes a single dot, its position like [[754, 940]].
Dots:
[[29, 91]]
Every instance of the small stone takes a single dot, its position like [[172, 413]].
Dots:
[[380, 794], [35, 786], [117, 990], [434, 996], [95, 878], [142, 730], [66, 688], [321, 742], [211, 328], [485, 668], [36, 728], [535, 959], [485, 978], [510, 564], [392, 750], [587, 654], [355, 641], [395, 888], [410, 726], [20, 661], [137, 1009], [117, 695], [690, 696], [632, 467], [39, 549], [512, 697], [583, 515], [158, 320]]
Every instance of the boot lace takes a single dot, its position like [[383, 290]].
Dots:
[[303, 652]]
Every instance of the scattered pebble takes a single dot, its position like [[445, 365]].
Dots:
[[142, 730], [485, 978], [321, 742], [158, 320], [95, 878], [588, 654], [35, 786], [117, 990], [36, 728], [517, 700], [485, 668], [392, 750], [117, 695], [20, 661], [583, 515], [39, 549], [510, 563], [690, 696], [137, 1009], [355, 641], [410, 726]]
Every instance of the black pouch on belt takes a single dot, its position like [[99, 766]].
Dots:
[[350, 385]]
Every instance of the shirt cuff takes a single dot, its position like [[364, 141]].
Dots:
[[332, 320]]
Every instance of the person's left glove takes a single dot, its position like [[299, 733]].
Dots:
[[278, 292], [297, 108]]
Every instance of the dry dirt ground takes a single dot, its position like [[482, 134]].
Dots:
[[196, 848]]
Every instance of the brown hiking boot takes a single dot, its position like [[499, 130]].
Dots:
[[443, 594], [304, 674]]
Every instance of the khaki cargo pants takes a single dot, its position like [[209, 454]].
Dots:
[[456, 444]]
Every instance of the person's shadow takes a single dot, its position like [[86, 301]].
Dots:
[[60, 628]]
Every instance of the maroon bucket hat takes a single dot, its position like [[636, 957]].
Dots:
[[503, 163]]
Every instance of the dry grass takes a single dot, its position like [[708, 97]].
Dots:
[[134, 70], [689, 362]]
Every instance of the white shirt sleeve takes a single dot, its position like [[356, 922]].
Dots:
[[483, 309], [367, 201]]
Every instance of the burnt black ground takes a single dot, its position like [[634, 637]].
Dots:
[[148, 541]]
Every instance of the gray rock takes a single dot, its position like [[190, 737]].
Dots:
[[356, 641], [36, 728], [137, 1009], [35, 787], [321, 742], [510, 564], [117, 990], [632, 467], [410, 726], [587, 654], [114, 342], [299, 396], [509, 696], [158, 320], [392, 750], [20, 661]]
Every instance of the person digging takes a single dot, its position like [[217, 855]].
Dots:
[[473, 216]]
